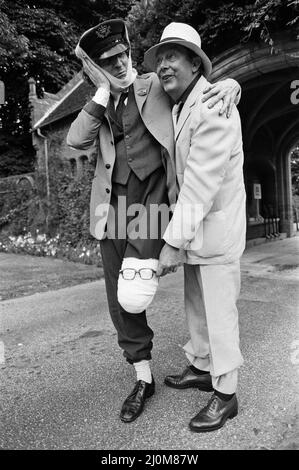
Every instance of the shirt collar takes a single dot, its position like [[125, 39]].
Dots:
[[182, 99]]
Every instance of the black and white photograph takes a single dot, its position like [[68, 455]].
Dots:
[[149, 228]]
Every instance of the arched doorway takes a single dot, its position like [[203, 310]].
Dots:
[[269, 110]]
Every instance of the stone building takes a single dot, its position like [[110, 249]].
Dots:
[[269, 111], [51, 118]]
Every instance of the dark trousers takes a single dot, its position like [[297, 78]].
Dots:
[[134, 334]]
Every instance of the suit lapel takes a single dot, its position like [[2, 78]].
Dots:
[[141, 88], [158, 105], [190, 102], [185, 113]]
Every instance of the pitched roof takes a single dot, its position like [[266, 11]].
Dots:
[[71, 98]]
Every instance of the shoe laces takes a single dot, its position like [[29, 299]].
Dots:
[[137, 390], [212, 404]]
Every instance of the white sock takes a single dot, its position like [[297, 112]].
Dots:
[[143, 371]]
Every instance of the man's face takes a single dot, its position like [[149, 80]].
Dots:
[[175, 69], [117, 65]]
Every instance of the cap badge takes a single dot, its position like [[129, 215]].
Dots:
[[103, 31]]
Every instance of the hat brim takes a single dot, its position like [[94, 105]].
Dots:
[[150, 54], [117, 49]]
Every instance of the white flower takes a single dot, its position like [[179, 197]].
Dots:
[[19, 240], [40, 238]]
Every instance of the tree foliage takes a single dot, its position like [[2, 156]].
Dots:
[[221, 24], [37, 39]]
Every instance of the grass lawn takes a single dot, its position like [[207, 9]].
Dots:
[[25, 275]]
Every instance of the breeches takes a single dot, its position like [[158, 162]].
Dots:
[[134, 334]]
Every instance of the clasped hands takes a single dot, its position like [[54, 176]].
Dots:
[[170, 259]]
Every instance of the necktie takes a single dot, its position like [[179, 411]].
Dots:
[[121, 104]]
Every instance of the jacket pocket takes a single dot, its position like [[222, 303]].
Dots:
[[213, 233]]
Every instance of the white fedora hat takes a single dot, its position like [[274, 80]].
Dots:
[[184, 35]]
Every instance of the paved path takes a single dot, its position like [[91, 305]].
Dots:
[[64, 378], [25, 275]]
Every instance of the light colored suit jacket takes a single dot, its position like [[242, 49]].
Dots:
[[154, 108], [209, 220]]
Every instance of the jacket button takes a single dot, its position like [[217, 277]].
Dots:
[[108, 165], [130, 159], [107, 190], [112, 143]]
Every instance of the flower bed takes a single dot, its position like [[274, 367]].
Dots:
[[39, 244]]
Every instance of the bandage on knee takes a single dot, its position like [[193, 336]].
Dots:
[[135, 295]]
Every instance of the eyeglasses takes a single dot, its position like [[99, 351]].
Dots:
[[145, 273]]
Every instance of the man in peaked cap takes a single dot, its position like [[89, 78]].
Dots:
[[130, 119], [105, 40], [208, 222]]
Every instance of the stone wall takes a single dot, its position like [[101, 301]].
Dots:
[[11, 183], [58, 151]]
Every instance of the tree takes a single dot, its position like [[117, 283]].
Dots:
[[220, 24], [37, 38]]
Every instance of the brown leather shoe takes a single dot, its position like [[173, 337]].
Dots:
[[134, 403], [189, 379], [214, 415]]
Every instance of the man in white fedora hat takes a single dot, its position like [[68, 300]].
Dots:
[[208, 222], [129, 118]]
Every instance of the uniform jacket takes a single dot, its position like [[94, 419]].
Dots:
[[209, 220], [154, 108]]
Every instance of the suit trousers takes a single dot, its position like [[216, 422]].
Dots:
[[134, 334], [211, 293]]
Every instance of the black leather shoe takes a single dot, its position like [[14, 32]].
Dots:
[[214, 415], [134, 403], [189, 379]]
